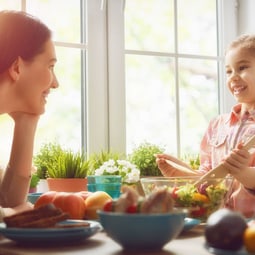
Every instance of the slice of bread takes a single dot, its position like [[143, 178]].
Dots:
[[41, 217]]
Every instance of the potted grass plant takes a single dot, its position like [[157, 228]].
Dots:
[[65, 170]]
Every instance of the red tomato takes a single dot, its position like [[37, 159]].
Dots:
[[108, 207], [132, 209], [45, 198], [200, 212], [174, 193]]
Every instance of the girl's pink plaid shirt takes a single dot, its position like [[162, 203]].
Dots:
[[222, 135]]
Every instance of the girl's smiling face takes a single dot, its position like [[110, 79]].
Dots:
[[35, 80], [240, 70]]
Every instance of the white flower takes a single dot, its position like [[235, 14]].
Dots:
[[128, 171]]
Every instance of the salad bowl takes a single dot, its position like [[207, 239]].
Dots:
[[200, 200], [141, 231]]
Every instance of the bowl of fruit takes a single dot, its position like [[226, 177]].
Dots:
[[146, 223], [200, 200]]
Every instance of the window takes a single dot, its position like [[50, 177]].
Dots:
[[174, 70], [171, 71], [164, 88], [62, 121]]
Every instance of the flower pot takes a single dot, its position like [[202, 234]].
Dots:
[[67, 184], [42, 186], [110, 184]]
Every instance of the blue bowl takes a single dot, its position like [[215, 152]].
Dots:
[[32, 197], [142, 231]]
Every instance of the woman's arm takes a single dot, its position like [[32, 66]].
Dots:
[[16, 179]]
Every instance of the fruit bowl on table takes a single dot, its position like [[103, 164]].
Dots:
[[142, 231], [200, 200]]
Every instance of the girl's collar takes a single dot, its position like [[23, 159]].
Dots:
[[237, 114]]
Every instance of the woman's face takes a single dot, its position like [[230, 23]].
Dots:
[[35, 80]]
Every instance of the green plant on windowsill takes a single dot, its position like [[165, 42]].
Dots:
[[56, 162], [45, 157], [34, 180], [143, 157]]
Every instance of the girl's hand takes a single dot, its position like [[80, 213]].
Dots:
[[237, 160], [166, 168]]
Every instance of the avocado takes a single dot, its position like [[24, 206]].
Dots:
[[225, 229]]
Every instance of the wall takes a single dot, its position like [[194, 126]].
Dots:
[[240, 20], [246, 16]]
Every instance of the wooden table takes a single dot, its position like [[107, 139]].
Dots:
[[191, 242]]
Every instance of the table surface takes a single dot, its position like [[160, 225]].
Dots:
[[191, 242]]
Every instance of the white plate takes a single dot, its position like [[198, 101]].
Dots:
[[52, 235]]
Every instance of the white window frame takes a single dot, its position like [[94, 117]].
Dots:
[[113, 136], [106, 80], [96, 114]]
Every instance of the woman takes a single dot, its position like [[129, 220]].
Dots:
[[224, 138], [27, 59]]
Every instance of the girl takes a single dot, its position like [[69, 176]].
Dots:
[[224, 138]]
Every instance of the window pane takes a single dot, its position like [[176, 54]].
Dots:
[[5, 138], [149, 25], [159, 109], [6, 122], [198, 100], [62, 120], [63, 17], [197, 29], [7, 4], [150, 97]]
